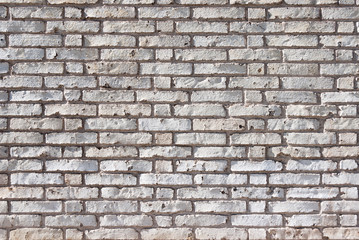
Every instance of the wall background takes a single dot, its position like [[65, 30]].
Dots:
[[179, 119]]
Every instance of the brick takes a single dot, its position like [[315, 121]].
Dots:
[[40, 233], [21, 82], [256, 220], [199, 110], [21, 137], [201, 27], [110, 12], [36, 151], [219, 41], [311, 220], [255, 55], [340, 152], [292, 40], [71, 193], [220, 68], [200, 139], [20, 109], [218, 12], [22, 26], [125, 82], [200, 54], [218, 124], [293, 69], [224, 233], [204, 166], [294, 13], [311, 165], [255, 2], [109, 40], [294, 179], [309, 27], [217, 152], [38, 68], [125, 220], [310, 138], [21, 54], [36, 178], [307, 82], [338, 69], [70, 221], [249, 166], [110, 179], [166, 233], [38, 95], [255, 138], [216, 96], [199, 82], [70, 82], [70, 109], [341, 124], [11, 221], [164, 124], [36, 206], [162, 96], [258, 27], [340, 178], [312, 111], [111, 68], [313, 193], [111, 206], [339, 41], [294, 233], [126, 233], [108, 96], [340, 13], [109, 152], [166, 68], [335, 233], [126, 139], [36, 12], [166, 206], [72, 27], [128, 27], [202, 193], [72, 54], [164, 12], [124, 110], [109, 123], [165, 152], [293, 207], [164, 41], [127, 192], [292, 124], [200, 220], [254, 82], [220, 179], [128, 165], [339, 206], [308, 55], [72, 1], [346, 97], [254, 110], [72, 165], [21, 192]]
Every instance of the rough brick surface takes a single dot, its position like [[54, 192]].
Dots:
[[179, 119]]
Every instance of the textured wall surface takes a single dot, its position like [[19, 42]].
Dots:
[[179, 119]]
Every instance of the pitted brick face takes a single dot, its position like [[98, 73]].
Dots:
[[179, 119]]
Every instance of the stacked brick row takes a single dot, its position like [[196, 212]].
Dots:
[[179, 119]]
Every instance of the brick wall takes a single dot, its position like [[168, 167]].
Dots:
[[179, 119]]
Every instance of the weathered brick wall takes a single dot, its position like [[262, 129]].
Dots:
[[179, 119]]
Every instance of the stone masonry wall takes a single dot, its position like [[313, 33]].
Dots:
[[179, 119]]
